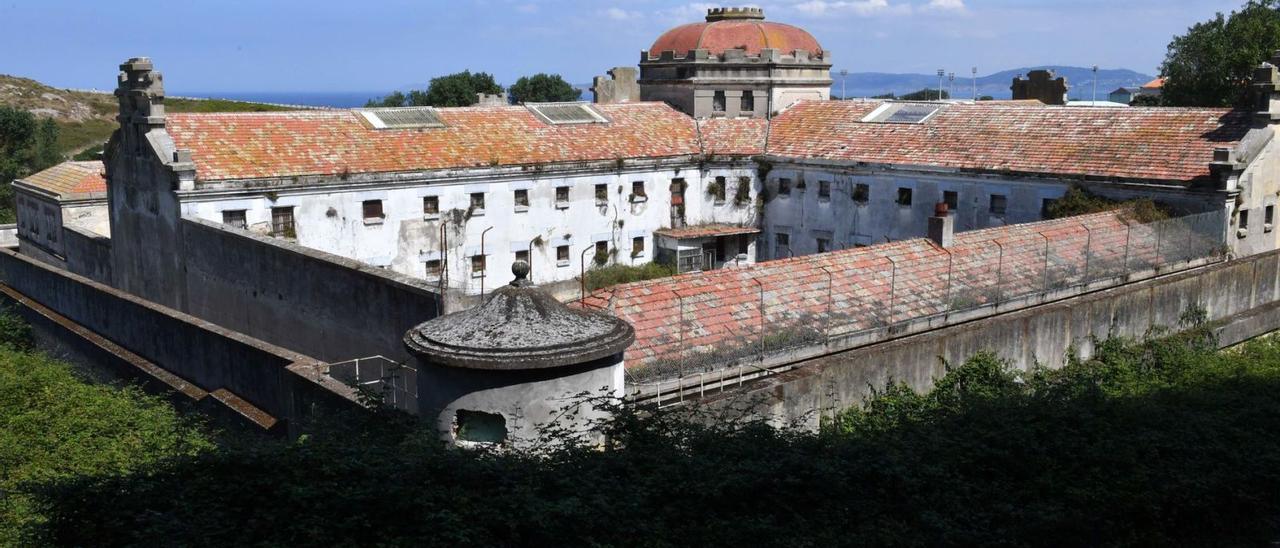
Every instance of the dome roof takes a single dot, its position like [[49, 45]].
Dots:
[[519, 327], [735, 28]]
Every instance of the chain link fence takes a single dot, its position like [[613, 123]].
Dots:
[[725, 321]]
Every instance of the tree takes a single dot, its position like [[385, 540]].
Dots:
[[926, 94], [455, 90], [543, 88], [1212, 63], [393, 99], [46, 153], [1145, 101]]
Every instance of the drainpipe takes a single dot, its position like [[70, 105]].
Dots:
[[531, 240], [444, 262], [484, 274], [582, 260]]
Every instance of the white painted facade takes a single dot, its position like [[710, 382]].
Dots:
[[329, 216]]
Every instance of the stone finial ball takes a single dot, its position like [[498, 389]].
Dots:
[[520, 269]]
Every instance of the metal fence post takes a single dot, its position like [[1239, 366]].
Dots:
[[1045, 288], [999, 271], [827, 328], [1159, 226], [946, 299], [683, 348], [893, 283], [761, 286], [1128, 238], [1088, 241]]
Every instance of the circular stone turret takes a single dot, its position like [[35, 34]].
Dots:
[[496, 371]]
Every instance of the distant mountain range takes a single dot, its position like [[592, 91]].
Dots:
[[1079, 82]]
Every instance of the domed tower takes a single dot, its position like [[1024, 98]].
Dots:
[[734, 64], [494, 373]]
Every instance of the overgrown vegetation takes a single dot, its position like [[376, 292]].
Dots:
[[602, 275], [55, 426], [1078, 201], [1212, 64], [1159, 442]]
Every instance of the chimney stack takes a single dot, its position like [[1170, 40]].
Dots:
[[942, 226]]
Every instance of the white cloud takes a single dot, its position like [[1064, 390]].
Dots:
[[619, 14], [862, 8], [945, 5]]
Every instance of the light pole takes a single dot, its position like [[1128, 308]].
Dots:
[[951, 85], [941, 73], [975, 83], [844, 76], [1095, 86]]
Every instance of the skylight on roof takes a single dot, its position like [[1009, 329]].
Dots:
[[402, 118], [902, 113], [566, 113]]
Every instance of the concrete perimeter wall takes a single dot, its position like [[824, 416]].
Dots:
[[284, 384], [309, 301], [1242, 294]]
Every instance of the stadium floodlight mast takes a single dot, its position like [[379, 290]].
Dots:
[[951, 85], [844, 75], [941, 73], [974, 71], [1095, 86]]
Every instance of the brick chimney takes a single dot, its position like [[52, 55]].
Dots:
[[942, 226]]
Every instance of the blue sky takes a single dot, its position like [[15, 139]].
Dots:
[[342, 45]]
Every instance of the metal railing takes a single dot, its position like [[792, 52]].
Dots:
[[777, 315], [394, 383]]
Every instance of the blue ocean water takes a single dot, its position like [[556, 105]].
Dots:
[[338, 99]]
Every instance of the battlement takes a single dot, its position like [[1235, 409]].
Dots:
[[723, 14]]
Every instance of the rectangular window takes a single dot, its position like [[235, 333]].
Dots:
[[744, 243], [824, 245], [433, 268], [717, 101], [998, 204], [1268, 215], [372, 210], [235, 217], [1046, 206], [784, 187], [477, 202], [562, 255], [717, 190], [602, 253], [1244, 219], [602, 194], [430, 205], [904, 196], [782, 245], [477, 264], [748, 102], [637, 190], [562, 196], [282, 222], [637, 246], [523, 255], [521, 198], [952, 199], [861, 193], [824, 190]]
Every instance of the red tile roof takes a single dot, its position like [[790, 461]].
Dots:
[[724, 311], [1166, 144], [70, 179], [281, 144], [733, 136], [703, 231], [750, 35]]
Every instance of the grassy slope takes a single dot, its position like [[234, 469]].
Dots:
[[85, 119]]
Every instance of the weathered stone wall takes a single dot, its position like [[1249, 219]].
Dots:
[[325, 306], [1242, 293], [279, 382], [88, 254]]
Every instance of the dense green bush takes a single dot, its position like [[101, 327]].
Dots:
[[1078, 201], [54, 426], [1158, 442], [601, 276]]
